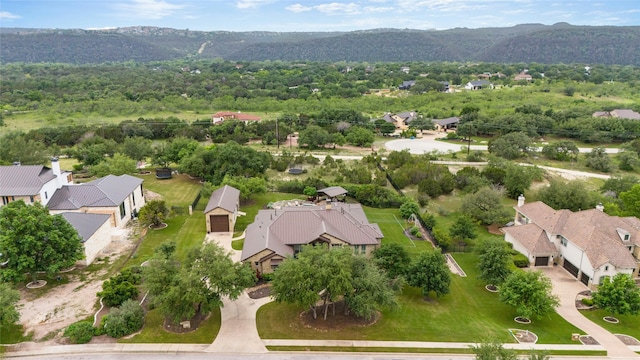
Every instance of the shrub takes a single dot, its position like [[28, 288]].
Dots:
[[267, 277], [408, 208], [120, 287], [587, 301], [80, 332], [415, 231], [442, 238], [520, 261], [291, 187], [475, 156], [124, 320]]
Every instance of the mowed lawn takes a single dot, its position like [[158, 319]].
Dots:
[[468, 314], [393, 226], [180, 190], [153, 331], [628, 325]]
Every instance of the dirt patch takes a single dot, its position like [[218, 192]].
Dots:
[[195, 322], [339, 321], [47, 314], [588, 340], [494, 229], [628, 340], [260, 292], [150, 195], [524, 336]]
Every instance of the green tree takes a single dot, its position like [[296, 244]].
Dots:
[[249, 187], [430, 273], [565, 150], [359, 136], [618, 296], [408, 208], [314, 137], [598, 159], [372, 289], [137, 148], [33, 241], [529, 292], [120, 287], [494, 261], [119, 164], [80, 332], [628, 160], [17, 147], [619, 184], [631, 201], [421, 124], [197, 284], [393, 258], [511, 146], [485, 205], [566, 195], [9, 298], [387, 128], [517, 179], [154, 213], [463, 229]]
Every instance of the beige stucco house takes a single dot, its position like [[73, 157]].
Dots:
[[589, 244], [278, 233], [222, 209]]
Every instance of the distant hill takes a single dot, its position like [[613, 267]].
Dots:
[[559, 43]]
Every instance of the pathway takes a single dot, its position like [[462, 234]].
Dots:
[[567, 288]]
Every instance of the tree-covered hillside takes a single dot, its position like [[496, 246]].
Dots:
[[560, 43]]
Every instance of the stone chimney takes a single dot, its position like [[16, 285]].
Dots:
[[600, 207], [520, 200]]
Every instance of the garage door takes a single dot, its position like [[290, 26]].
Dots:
[[219, 223], [584, 278], [542, 261], [572, 269]]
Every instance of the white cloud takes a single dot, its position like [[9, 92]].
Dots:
[[337, 8], [298, 8], [149, 9], [8, 15], [102, 28], [439, 5], [377, 9], [251, 4]]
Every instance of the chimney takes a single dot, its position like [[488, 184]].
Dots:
[[520, 200], [17, 163], [55, 166], [600, 207], [328, 206]]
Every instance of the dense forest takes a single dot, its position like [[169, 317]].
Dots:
[[559, 43]]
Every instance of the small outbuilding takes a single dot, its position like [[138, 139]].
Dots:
[[221, 211], [333, 193]]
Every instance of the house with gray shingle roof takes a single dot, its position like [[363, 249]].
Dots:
[[446, 124], [94, 230], [221, 211], [478, 85], [278, 233], [400, 120], [31, 183], [121, 197], [589, 244]]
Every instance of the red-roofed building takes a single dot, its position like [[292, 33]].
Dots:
[[221, 116]]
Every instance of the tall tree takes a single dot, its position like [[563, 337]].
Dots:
[[566, 195], [618, 296], [371, 289], [462, 229], [34, 241], [494, 261], [117, 165], [154, 212], [392, 258], [486, 206], [430, 273], [530, 293]]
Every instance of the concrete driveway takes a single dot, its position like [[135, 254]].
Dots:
[[567, 288]]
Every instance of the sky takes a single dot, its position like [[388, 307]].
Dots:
[[313, 15]]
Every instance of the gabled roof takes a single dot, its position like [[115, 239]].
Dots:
[[480, 83], [533, 238], [406, 116], [279, 229], [333, 191], [85, 223], [108, 191], [625, 114], [23, 180], [447, 121], [592, 230], [235, 115], [226, 198]]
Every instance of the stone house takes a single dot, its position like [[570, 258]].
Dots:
[[222, 209]]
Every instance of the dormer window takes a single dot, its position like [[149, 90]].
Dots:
[[624, 234]]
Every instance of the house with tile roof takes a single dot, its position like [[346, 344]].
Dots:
[[120, 197], [400, 120], [222, 209], [279, 233], [589, 244], [32, 183], [221, 116]]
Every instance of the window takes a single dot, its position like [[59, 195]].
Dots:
[[359, 249], [606, 268], [626, 237], [46, 196], [296, 249], [563, 241], [256, 263], [133, 197], [31, 199], [123, 211], [336, 245]]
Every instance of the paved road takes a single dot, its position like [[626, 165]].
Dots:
[[428, 143]]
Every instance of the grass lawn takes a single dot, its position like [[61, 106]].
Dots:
[[12, 334], [237, 244], [424, 350], [180, 190], [186, 231], [468, 314], [628, 324], [392, 226], [153, 331]]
